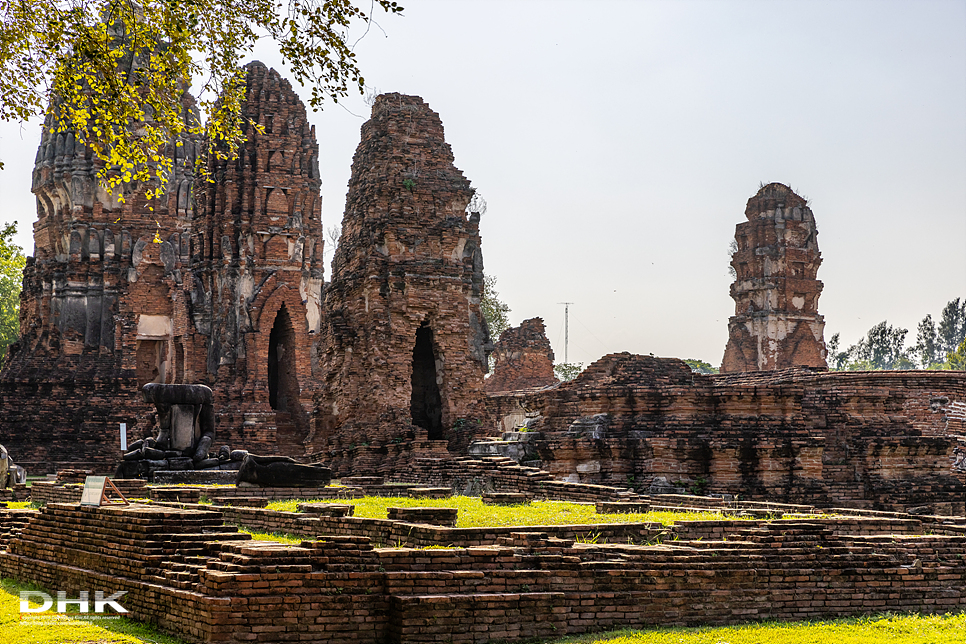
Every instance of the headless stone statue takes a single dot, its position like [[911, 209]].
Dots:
[[186, 418]]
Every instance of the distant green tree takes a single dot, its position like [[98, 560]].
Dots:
[[926, 349], [700, 366], [881, 348], [495, 311], [956, 361], [952, 327], [12, 262], [567, 370], [837, 360]]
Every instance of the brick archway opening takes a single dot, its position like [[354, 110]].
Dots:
[[283, 386], [427, 405]]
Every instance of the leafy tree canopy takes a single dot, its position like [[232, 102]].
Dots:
[[567, 370], [495, 311], [119, 69], [957, 359], [12, 262], [700, 366], [883, 347]]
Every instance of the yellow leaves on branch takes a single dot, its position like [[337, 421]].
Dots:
[[120, 70]]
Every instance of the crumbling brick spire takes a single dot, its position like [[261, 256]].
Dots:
[[776, 322], [404, 341], [258, 266], [524, 358]]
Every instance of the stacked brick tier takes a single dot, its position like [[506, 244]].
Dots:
[[404, 344], [184, 572], [776, 323], [523, 359], [881, 440]]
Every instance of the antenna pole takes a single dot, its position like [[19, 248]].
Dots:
[[566, 329]]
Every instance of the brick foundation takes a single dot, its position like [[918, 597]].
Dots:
[[206, 583]]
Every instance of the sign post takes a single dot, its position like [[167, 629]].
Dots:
[[95, 492]]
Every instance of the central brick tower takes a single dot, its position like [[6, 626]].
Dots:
[[776, 322], [404, 347]]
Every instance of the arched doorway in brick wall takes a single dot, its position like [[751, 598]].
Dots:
[[427, 404], [283, 386]]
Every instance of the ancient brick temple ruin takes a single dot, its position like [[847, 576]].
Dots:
[[776, 322], [218, 285], [523, 359], [404, 344], [883, 440], [381, 371], [222, 284]]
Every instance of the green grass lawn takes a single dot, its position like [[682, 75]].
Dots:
[[895, 629], [52, 628], [474, 514]]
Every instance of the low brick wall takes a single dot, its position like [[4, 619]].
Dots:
[[471, 477], [432, 516], [18, 492], [11, 523], [693, 530], [206, 583], [44, 492]]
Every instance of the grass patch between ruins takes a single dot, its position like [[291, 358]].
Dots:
[[873, 629], [474, 514], [274, 536], [68, 628]]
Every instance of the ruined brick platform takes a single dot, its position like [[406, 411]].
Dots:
[[188, 574], [882, 440]]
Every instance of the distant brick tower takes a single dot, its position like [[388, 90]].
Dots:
[[776, 322], [404, 343]]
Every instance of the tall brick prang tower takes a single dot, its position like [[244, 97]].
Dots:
[[98, 305], [258, 268], [404, 344], [213, 283], [776, 322]]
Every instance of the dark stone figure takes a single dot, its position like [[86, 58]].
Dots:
[[186, 417], [186, 430], [281, 471]]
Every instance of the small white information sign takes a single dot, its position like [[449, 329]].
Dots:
[[95, 492]]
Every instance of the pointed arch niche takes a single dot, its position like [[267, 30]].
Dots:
[[426, 405]]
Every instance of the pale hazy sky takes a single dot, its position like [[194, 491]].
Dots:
[[616, 144]]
